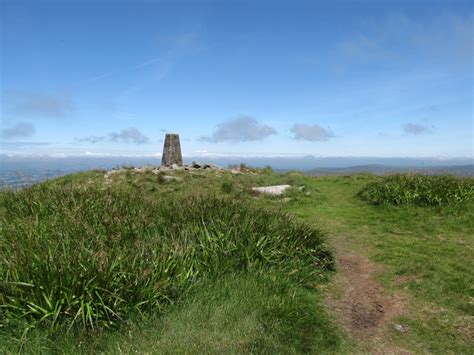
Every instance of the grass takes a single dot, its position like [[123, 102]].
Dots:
[[422, 190], [87, 257], [426, 252], [262, 306], [242, 312]]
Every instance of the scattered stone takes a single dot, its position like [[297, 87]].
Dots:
[[275, 190], [196, 165], [401, 328], [234, 171], [176, 167], [112, 172], [169, 178]]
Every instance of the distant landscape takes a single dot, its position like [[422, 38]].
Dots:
[[17, 171]]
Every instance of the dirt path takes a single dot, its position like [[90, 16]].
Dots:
[[360, 304]]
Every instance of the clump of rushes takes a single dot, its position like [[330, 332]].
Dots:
[[73, 257], [422, 190]]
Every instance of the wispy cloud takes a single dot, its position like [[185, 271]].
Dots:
[[20, 130], [148, 62], [445, 40], [175, 48], [38, 104], [128, 135], [363, 47], [416, 129], [23, 144], [92, 139], [311, 133], [240, 129]]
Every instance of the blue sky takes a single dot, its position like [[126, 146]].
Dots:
[[327, 78]]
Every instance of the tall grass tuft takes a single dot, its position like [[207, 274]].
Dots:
[[75, 257], [422, 190]]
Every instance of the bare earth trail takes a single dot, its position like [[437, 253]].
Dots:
[[361, 306]]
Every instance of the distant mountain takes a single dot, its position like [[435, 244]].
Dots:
[[459, 170], [22, 171]]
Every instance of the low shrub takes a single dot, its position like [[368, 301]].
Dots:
[[89, 257], [419, 190]]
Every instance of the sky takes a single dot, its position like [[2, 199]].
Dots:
[[248, 78]]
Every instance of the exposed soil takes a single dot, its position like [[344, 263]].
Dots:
[[360, 304]]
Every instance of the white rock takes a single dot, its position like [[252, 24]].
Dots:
[[169, 178], [401, 328], [275, 190], [111, 172], [176, 167]]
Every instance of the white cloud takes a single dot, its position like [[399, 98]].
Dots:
[[128, 135], [415, 129], [240, 129], [20, 130], [311, 133], [38, 104]]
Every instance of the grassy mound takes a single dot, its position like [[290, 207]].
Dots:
[[89, 257], [419, 190]]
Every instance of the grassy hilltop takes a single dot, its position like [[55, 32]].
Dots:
[[194, 261]]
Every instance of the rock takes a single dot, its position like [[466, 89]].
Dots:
[[234, 171], [169, 178], [112, 172], [275, 190], [401, 328], [286, 199], [176, 167], [196, 165]]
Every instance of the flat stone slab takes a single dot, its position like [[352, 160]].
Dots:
[[275, 190], [169, 178]]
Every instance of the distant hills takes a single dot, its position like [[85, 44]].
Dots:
[[459, 170], [17, 171]]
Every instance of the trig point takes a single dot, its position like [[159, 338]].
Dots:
[[172, 151]]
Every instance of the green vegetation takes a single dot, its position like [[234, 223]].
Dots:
[[92, 256], [204, 265], [81, 258], [419, 190], [426, 255]]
